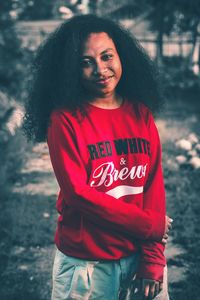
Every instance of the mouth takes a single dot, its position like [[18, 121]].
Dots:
[[104, 80]]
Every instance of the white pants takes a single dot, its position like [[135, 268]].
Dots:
[[78, 279]]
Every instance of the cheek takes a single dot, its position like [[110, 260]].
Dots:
[[118, 68], [86, 73]]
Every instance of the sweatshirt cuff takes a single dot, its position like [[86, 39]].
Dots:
[[150, 271]]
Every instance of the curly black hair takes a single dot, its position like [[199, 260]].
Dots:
[[56, 71]]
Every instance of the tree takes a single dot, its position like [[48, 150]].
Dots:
[[166, 17], [189, 21], [93, 6], [10, 51], [35, 10], [162, 18], [113, 8]]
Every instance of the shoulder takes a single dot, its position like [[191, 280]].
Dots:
[[141, 111], [61, 126], [147, 115], [60, 114], [145, 111], [64, 116]]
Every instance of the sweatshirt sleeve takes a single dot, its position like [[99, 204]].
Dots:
[[97, 206], [152, 258]]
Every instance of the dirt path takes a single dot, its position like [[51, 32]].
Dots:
[[38, 189]]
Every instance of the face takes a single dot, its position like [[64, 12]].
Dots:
[[100, 64]]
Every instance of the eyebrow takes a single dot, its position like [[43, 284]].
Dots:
[[103, 52], [107, 50]]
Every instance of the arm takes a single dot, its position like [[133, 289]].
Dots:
[[152, 258], [97, 206]]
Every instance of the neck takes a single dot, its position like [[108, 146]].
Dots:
[[112, 102]]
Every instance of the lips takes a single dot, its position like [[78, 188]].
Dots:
[[104, 80]]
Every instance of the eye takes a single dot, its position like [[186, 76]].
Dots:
[[107, 57], [86, 63]]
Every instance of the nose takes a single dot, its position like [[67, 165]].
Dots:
[[100, 68]]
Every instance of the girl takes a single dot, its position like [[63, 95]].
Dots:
[[91, 97]]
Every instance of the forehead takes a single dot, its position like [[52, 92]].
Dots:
[[97, 43]]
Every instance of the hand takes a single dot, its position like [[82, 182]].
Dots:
[[168, 227], [150, 288], [168, 224], [165, 238]]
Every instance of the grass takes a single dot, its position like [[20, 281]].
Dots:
[[183, 202], [28, 238]]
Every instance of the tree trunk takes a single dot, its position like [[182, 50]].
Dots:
[[160, 35], [159, 54], [194, 42]]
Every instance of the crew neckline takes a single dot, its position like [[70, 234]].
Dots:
[[94, 107]]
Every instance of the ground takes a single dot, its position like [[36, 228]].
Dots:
[[30, 218]]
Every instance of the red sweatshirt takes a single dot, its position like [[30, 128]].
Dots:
[[112, 200]]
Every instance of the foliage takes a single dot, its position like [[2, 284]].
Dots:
[[189, 15], [12, 154], [93, 6], [35, 10], [116, 9], [178, 79], [10, 51], [161, 15], [46, 10], [12, 144], [182, 185], [173, 15]]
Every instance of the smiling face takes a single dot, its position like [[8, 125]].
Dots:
[[101, 66]]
